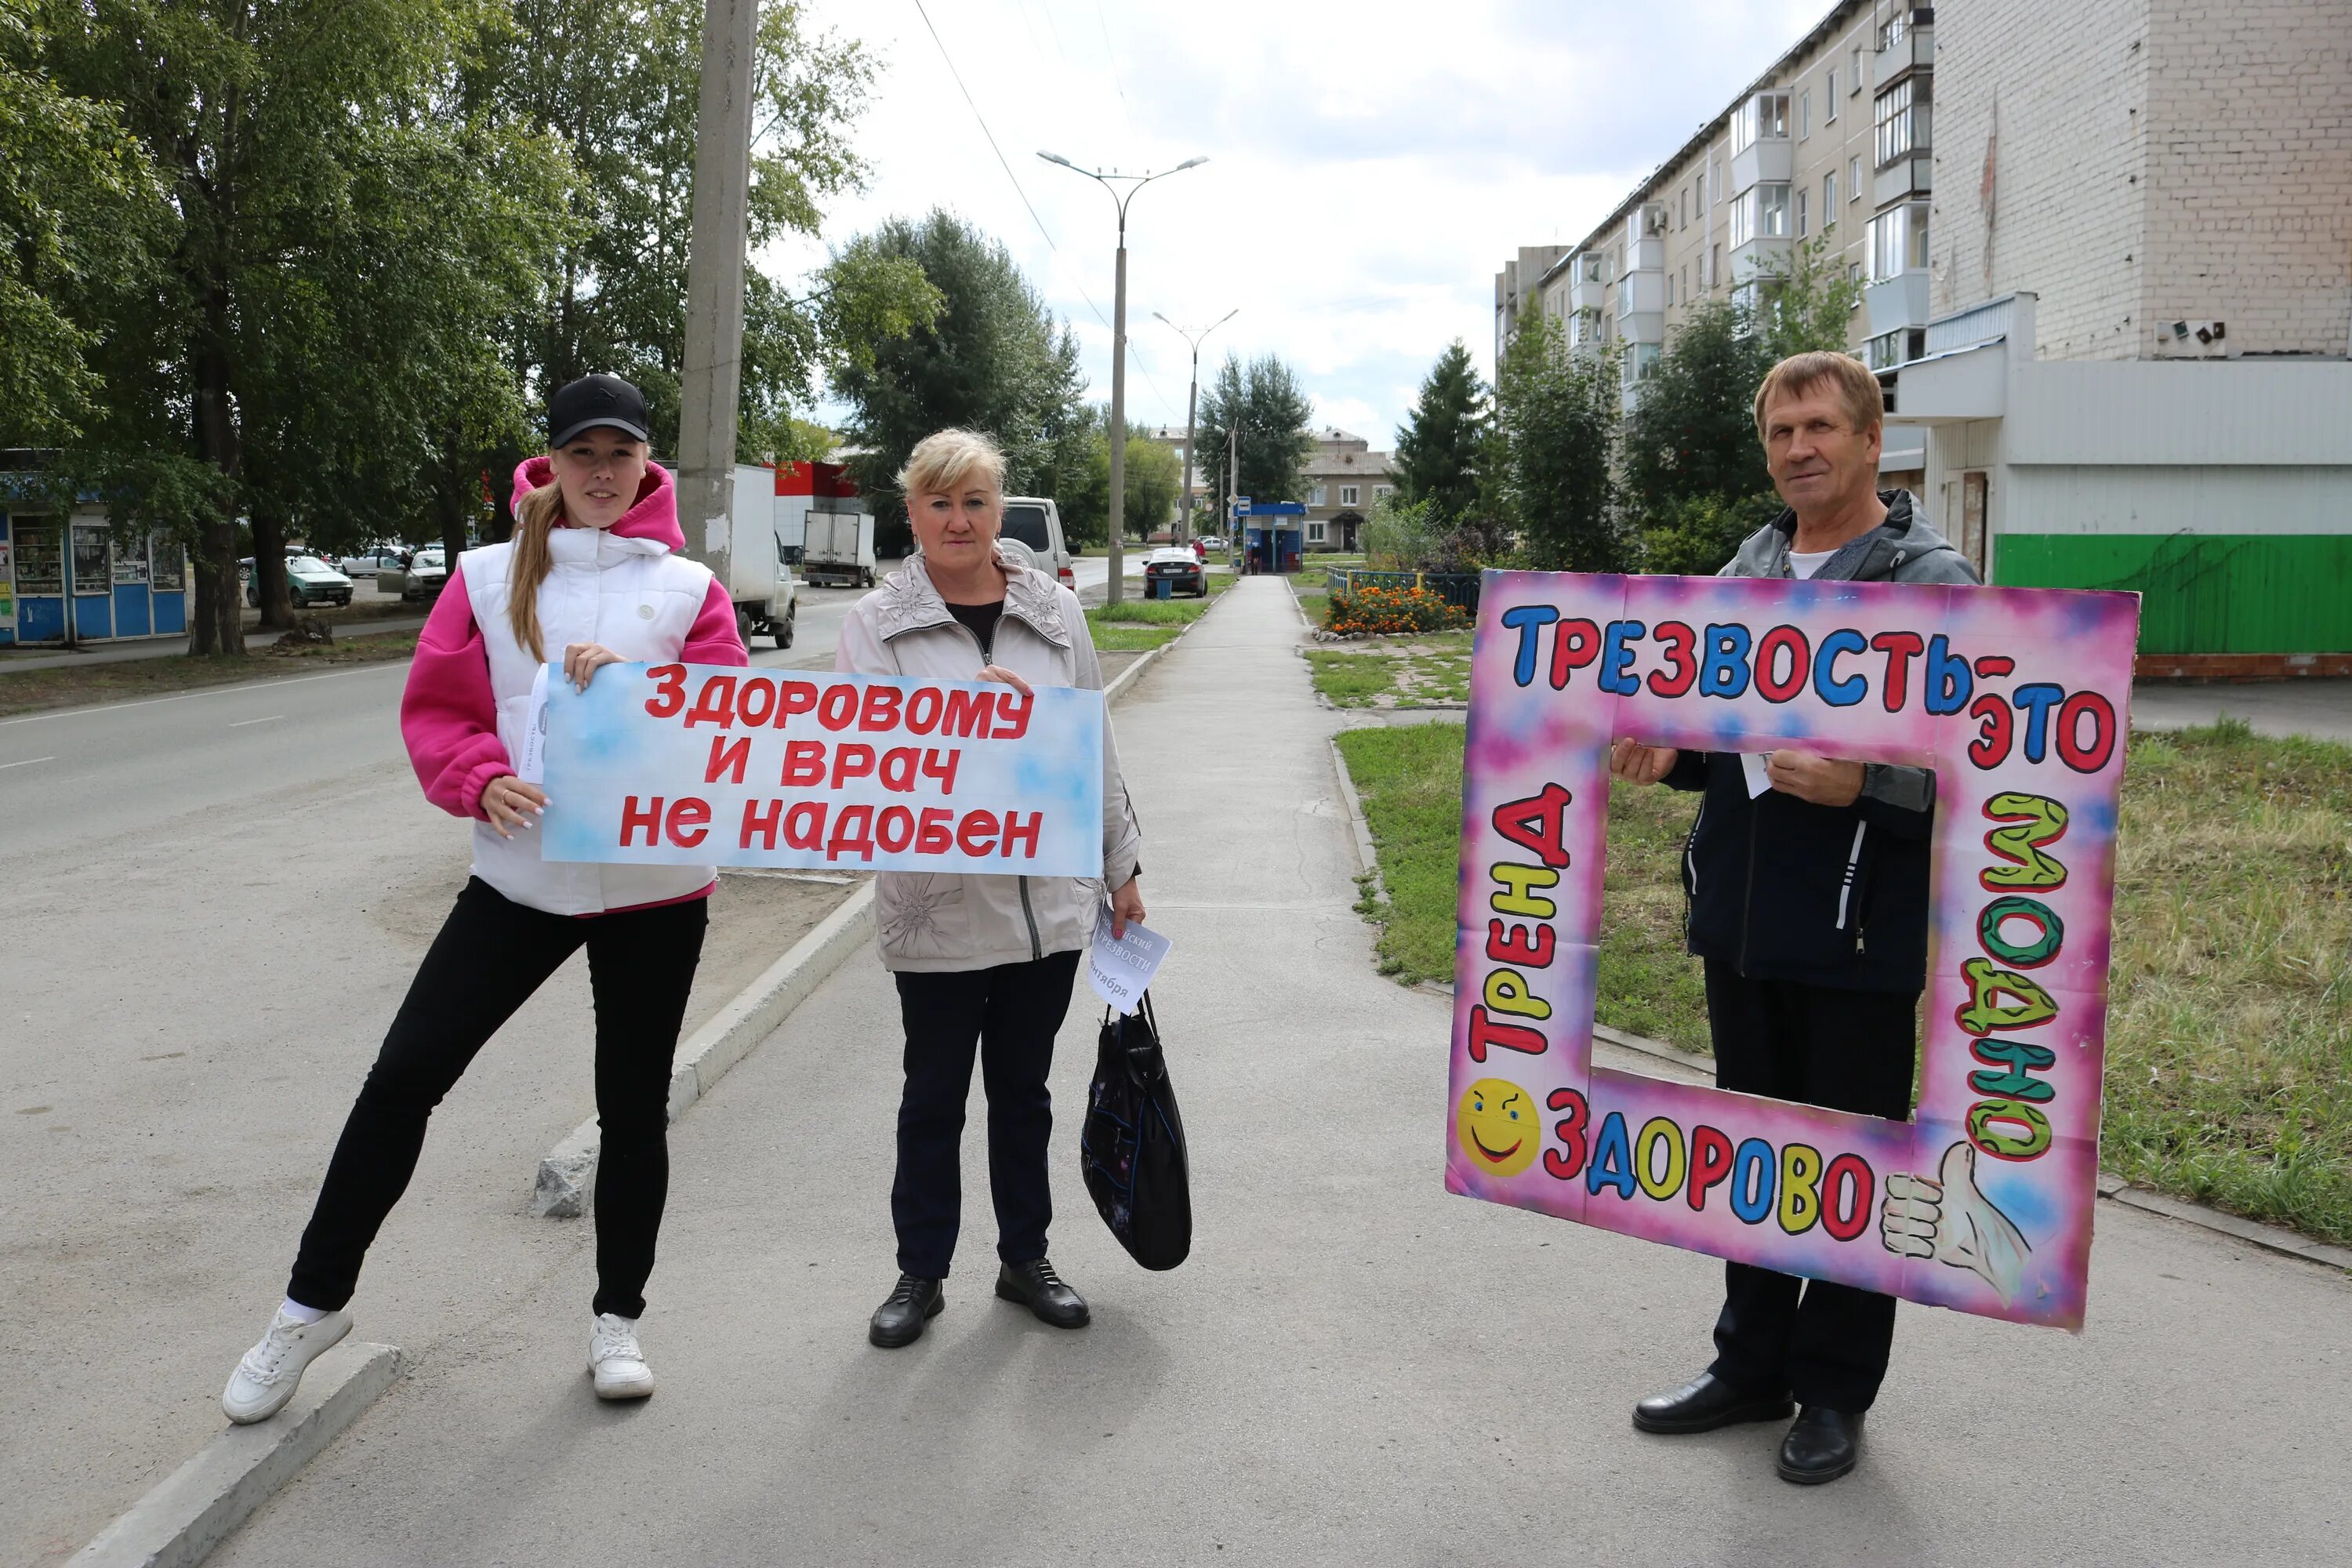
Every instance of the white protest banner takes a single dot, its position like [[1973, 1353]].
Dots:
[[1121, 968], [693, 765]]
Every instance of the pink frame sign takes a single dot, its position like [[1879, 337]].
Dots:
[[2017, 698]]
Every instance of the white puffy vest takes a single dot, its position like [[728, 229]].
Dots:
[[635, 598]]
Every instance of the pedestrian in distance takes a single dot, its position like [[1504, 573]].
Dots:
[[1807, 879], [594, 575], [981, 960]]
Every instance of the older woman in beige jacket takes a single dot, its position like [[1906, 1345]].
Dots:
[[979, 961]]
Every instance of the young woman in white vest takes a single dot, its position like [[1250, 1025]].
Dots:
[[594, 575]]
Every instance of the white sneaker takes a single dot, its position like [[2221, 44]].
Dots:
[[617, 1360], [271, 1370]]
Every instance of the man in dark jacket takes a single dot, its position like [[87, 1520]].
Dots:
[[1808, 884]]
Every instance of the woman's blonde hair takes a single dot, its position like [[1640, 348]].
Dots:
[[537, 515], [945, 460]]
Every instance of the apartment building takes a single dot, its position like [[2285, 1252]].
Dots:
[[1516, 285], [1343, 478], [2107, 259]]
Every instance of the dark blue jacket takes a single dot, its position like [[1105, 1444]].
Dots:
[[1781, 889]]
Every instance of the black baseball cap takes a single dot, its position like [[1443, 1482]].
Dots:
[[594, 400]]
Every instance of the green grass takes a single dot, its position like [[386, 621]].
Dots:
[[1142, 624], [2229, 1075], [1395, 672]]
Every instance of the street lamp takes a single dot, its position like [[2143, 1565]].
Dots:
[[1193, 401], [1135, 182]]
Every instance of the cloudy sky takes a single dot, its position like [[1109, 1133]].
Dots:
[[1370, 162]]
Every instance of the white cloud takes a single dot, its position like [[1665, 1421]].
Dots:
[[1370, 164]]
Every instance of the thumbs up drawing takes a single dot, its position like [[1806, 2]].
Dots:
[[1951, 1221]]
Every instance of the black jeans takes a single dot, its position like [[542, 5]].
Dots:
[[1011, 1013], [1849, 1050], [491, 954]]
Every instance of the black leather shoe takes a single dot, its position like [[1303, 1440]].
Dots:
[[1822, 1447], [1036, 1287], [899, 1320], [1705, 1404]]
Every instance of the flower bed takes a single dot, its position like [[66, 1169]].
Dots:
[[1378, 612]]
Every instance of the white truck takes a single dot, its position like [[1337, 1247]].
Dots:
[[838, 546], [760, 577]]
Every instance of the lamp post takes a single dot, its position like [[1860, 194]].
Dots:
[[1192, 401], [1105, 178]]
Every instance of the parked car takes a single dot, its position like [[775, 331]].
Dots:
[[309, 581], [1180, 568], [1036, 521], [420, 581], [371, 561], [1210, 542]]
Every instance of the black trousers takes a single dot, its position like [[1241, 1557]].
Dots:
[[491, 954], [1011, 1013], [1849, 1050]]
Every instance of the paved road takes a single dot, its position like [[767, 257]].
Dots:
[[213, 902], [1352, 1368]]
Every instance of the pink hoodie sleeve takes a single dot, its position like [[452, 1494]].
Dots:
[[447, 715], [713, 638]]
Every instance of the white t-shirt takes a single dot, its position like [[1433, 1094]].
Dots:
[[1805, 563]]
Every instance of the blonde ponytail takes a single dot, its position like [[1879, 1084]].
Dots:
[[536, 515]]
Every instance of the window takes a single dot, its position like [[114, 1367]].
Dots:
[[1894, 30], [1380, 490], [1829, 110], [1670, 290], [1316, 495], [1639, 365], [1714, 267], [1316, 533], [1902, 120], [1804, 115], [1899, 241], [1761, 118], [1856, 86], [1802, 229], [1348, 495], [1854, 179], [1685, 276], [1760, 213], [1828, 199], [1683, 199]]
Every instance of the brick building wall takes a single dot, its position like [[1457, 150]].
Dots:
[[2249, 173], [2059, 93]]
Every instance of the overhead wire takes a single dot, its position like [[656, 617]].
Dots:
[[1006, 164]]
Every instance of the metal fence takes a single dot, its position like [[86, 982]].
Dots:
[[1459, 589]]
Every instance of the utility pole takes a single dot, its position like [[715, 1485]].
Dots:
[[1233, 484], [1193, 404], [1117, 353], [712, 369]]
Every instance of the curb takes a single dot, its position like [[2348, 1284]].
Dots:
[[2268, 1237], [565, 1184], [1365, 854], [567, 1173], [193, 1509]]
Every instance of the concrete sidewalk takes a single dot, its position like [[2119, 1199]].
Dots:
[[1353, 1367]]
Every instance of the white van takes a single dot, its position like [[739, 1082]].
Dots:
[[1036, 522]]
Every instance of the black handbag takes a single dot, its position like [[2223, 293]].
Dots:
[[1132, 1148]]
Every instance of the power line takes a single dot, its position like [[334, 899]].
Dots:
[[1002, 163]]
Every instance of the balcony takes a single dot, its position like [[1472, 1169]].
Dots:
[[1911, 48], [1908, 176], [1765, 257], [1896, 303], [1763, 162], [1585, 287]]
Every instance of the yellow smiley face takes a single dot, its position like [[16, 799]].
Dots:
[[1497, 1127]]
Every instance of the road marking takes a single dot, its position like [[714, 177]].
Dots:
[[241, 723], [208, 691], [28, 762]]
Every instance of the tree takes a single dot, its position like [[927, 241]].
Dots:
[[339, 235], [1556, 421], [78, 197], [1441, 443], [1692, 437], [1267, 402], [1810, 304], [990, 358]]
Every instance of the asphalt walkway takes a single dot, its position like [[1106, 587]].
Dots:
[[1353, 1368]]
